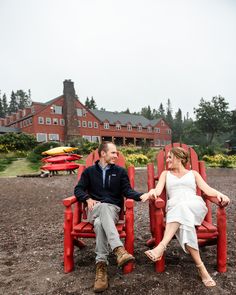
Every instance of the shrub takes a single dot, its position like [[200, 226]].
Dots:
[[136, 160], [220, 160], [17, 142]]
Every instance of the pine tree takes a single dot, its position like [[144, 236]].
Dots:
[[13, 106], [1, 108], [161, 111], [92, 103], [178, 127], [87, 103], [4, 105], [169, 117]]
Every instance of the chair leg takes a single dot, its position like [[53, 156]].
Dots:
[[129, 240], [221, 241], [68, 241], [159, 233]]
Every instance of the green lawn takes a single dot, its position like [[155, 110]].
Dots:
[[18, 167]]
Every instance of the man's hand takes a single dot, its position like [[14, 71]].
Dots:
[[144, 197], [91, 203]]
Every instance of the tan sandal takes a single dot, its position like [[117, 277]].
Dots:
[[209, 283], [151, 254]]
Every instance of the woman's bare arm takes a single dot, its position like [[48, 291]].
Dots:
[[223, 199], [156, 192]]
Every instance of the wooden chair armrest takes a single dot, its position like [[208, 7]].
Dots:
[[159, 203], [212, 199], [129, 203], [69, 201]]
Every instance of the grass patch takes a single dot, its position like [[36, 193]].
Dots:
[[17, 167]]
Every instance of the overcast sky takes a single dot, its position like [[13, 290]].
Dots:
[[124, 53]]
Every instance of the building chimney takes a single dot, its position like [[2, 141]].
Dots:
[[71, 121]]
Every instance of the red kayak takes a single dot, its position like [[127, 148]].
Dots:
[[60, 167], [61, 158]]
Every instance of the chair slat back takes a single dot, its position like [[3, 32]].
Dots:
[[193, 164], [91, 159]]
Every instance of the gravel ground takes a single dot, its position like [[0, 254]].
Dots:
[[31, 245]]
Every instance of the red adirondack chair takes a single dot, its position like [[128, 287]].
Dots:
[[76, 226], [207, 233]]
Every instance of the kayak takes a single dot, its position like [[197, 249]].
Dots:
[[59, 150], [61, 158], [60, 167]]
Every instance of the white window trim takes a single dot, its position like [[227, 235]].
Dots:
[[90, 124], [47, 123], [41, 123], [106, 125], [84, 124], [95, 124]]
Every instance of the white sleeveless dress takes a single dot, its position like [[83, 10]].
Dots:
[[185, 207]]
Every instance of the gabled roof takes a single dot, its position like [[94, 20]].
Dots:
[[113, 117]]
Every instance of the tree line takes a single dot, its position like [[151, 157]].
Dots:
[[214, 122], [18, 100]]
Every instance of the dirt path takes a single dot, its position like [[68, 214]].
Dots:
[[31, 245]]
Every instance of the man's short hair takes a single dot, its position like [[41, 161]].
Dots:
[[103, 147]]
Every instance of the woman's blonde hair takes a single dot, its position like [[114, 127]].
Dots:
[[181, 154]]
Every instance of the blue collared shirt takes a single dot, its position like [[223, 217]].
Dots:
[[104, 170]]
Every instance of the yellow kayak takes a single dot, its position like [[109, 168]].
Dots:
[[59, 150]]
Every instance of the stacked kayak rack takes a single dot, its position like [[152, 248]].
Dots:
[[60, 159]]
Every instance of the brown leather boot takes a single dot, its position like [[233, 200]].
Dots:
[[101, 279], [123, 257]]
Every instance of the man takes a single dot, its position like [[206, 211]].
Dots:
[[103, 186]]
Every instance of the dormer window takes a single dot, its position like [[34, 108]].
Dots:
[[149, 129], [106, 125], [140, 128], [157, 130], [118, 126], [129, 127]]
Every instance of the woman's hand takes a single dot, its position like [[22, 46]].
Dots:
[[145, 197], [153, 193], [223, 199]]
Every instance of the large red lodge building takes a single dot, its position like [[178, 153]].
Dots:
[[65, 118]]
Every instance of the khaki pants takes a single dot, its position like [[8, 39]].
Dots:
[[104, 217]]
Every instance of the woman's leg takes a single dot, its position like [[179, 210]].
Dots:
[[206, 278], [157, 252]]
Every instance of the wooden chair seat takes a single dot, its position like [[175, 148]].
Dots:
[[76, 225], [207, 233]]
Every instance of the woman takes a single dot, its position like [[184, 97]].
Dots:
[[184, 209]]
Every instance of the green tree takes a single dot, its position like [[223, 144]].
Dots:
[[18, 142], [169, 117], [177, 127], [92, 103], [4, 105], [147, 112], [87, 103], [161, 111], [212, 117], [13, 105], [127, 111], [22, 98], [1, 108]]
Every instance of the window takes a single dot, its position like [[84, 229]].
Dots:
[[162, 123], [169, 131], [62, 122], [106, 125], [84, 123], [41, 137], [157, 130], [129, 127], [157, 142], [32, 109], [95, 124], [79, 123], [79, 112], [118, 126], [17, 116], [87, 137], [58, 110], [90, 124], [84, 113], [149, 129], [53, 137], [48, 121], [41, 120], [30, 121], [95, 139], [140, 128], [55, 121], [24, 112]]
